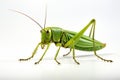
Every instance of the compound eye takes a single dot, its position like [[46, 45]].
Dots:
[[47, 31]]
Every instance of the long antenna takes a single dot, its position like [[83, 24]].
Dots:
[[45, 16], [28, 17]]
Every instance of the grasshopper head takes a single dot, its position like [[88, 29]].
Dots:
[[45, 35]]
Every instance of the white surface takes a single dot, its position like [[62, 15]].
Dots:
[[19, 36]]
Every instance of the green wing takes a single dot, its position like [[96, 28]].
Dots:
[[85, 43]]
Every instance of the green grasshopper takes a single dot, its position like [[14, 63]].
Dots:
[[67, 39]]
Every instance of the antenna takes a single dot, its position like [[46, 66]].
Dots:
[[45, 16], [28, 17]]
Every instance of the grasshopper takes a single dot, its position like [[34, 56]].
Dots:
[[67, 39]]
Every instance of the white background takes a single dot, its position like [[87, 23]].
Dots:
[[19, 36]]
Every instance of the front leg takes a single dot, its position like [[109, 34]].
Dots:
[[43, 54], [34, 52]]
